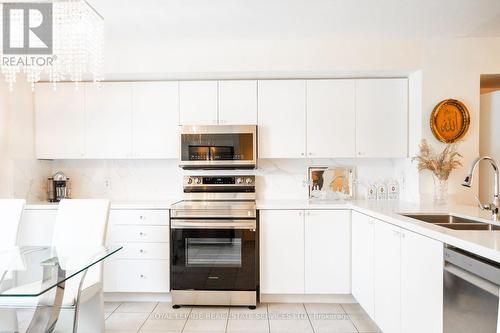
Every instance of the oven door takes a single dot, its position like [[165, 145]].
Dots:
[[220, 146], [213, 255]]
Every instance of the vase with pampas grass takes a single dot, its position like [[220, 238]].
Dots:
[[441, 165]]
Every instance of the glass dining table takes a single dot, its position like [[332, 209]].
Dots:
[[33, 280]]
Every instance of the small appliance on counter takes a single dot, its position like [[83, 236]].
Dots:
[[58, 187]]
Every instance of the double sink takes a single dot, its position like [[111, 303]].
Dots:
[[453, 222]]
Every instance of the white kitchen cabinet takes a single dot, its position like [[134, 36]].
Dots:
[[282, 118], [328, 252], [362, 264], [282, 252], [238, 102], [421, 284], [108, 119], [59, 121], [155, 120], [145, 276], [331, 119], [198, 102], [143, 263], [387, 277], [382, 118]]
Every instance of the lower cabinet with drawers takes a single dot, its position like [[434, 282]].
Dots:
[[143, 263]]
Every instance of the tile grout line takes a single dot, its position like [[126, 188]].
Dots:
[[349, 316], [113, 311], [227, 319], [308, 318], [268, 319], [149, 315], [185, 323]]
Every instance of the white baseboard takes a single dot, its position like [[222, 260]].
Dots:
[[275, 298], [137, 297], [264, 298]]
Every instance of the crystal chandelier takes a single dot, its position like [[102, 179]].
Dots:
[[76, 42]]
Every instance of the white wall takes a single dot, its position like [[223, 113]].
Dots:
[[21, 175], [489, 141], [447, 68]]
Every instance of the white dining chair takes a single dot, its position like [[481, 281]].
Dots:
[[80, 228], [11, 211]]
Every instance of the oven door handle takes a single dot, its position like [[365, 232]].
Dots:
[[213, 224]]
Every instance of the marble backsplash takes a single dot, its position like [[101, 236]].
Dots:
[[153, 180]]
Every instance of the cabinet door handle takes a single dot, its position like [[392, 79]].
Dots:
[[142, 276], [142, 251], [142, 234], [302, 154]]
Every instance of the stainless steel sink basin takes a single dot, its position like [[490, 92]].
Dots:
[[453, 222]]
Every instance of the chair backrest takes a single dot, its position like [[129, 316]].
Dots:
[[11, 211], [81, 226]]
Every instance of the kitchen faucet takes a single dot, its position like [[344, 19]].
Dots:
[[495, 205]]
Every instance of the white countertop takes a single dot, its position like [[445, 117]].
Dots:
[[482, 243], [114, 205]]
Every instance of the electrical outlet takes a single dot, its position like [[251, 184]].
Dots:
[[107, 184]]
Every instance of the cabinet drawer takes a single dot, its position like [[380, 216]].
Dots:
[[142, 275], [144, 251], [131, 216], [139, 233]]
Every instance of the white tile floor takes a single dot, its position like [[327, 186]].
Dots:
[[151, 317]]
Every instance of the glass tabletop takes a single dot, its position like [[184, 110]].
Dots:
[[32, 271]]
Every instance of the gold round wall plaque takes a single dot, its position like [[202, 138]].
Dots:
[[450, 120]]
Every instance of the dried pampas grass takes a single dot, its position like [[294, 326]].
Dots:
[[442, 164]]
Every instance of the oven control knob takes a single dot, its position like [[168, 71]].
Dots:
[[190, 180], [239, 180], [197, 180], [249, 180]]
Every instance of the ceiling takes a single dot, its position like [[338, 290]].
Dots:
[[159, 20]]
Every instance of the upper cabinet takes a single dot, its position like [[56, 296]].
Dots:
[[337, 118], [198, 102], [108, 120], [232, 102], [238, 102], [113, 120], [60, 121], [382, 118], [155, 119], [282, 118], [331, 118]]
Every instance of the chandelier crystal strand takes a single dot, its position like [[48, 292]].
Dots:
[[78, 42]]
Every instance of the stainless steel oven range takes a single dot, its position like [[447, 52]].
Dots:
[[214, 242]]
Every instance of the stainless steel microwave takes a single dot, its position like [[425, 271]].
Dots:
[[218, 147]]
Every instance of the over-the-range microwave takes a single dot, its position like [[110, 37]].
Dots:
[[218, 147]]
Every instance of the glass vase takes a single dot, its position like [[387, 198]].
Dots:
[[440, 191]]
